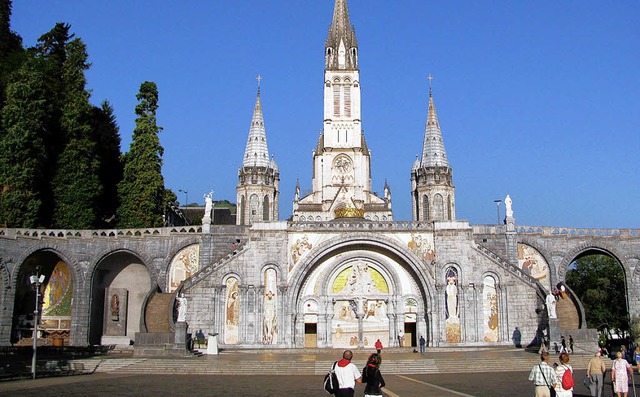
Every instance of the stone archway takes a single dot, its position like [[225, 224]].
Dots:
[[120, 285], [54, 304], [345, 310]]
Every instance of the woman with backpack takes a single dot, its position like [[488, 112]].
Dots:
[[372, 377], [564, 372]]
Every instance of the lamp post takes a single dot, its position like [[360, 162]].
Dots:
[[498, 207], [185, 196], [36, 281]]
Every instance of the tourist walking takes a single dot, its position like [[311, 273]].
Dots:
[[563, 343], [619, 376], [422, 344], [401, 338], [348, 375], [560, 373], [571, 344], [595, 373], [378, 346], [543, 377], [372, 377]]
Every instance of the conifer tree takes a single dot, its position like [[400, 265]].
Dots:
[[141, 190], [11, 52], [107, 138], [23, 154], [76, 185]]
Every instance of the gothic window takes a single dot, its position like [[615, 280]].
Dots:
[[438, 208], [450, 208], [254, 206], [336, 100], [242, 210], [425, 208], [265, 209], [347, 101]]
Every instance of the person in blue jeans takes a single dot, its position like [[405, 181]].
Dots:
[[422, 343]]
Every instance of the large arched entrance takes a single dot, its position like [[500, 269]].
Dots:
[[55, 300], [356, 292], [597, 287], [120, 285]]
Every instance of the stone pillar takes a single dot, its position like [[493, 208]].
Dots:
[[180, 338]]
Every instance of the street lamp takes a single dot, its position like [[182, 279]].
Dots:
[[36, 281], [185, 196], [498, 207]]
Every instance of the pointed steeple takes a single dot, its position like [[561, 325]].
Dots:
[[341, 48], [256, 152], [433, 153]]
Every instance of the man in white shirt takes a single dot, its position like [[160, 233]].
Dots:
[[348, 375]]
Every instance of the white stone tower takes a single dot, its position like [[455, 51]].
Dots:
[[432, 189], [341, 160], [259, 177]]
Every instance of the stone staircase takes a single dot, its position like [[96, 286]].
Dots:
[[234, 363], [157, 313], [567, 313]]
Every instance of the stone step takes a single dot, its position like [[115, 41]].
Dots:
[[252, 366]]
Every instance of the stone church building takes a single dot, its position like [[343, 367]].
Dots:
[[341, 273]]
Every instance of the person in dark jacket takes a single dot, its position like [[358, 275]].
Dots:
[[372, 377]]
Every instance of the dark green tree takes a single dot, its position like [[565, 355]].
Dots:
[[598, 281], [76, 185], [141, 190], [11, 52], [107, 137], [23, 154]]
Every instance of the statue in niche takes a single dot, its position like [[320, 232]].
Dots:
[[452, 297], [115, 308], [269, 318], [181, 302]]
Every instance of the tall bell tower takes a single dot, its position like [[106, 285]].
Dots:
[[341, 185], [259, 177], [432, 190]]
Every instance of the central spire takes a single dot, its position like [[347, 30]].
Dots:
[[341, 48]]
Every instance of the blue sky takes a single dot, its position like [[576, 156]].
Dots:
[[539, 100]]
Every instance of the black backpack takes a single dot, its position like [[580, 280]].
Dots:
[[331, 380]]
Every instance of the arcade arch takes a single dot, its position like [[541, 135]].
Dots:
[[55, 303], [120, 285]]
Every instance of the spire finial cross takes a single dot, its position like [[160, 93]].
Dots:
[[430, 78], [259, 78]]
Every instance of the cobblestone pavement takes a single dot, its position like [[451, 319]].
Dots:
[[442, 385]]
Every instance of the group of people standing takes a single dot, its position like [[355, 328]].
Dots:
[[548, 380], [348, 375]]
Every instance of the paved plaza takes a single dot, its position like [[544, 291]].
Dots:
[[444, 385]]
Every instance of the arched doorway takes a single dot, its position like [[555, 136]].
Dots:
[[54, 304], [355, 292], [120, 285]]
